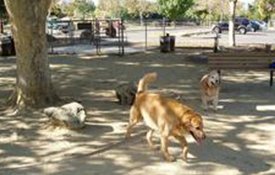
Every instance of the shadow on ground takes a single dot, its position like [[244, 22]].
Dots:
[[239, 133]]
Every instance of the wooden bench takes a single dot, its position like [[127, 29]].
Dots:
[[242, 61]]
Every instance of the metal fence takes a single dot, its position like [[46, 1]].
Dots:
[[117, 36], [86, 36]]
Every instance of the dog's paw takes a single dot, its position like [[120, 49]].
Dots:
[[169, 158], [127, 136], [184, 157], [215, 109], [154, 147]]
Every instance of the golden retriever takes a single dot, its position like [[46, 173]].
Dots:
[[166, 116]]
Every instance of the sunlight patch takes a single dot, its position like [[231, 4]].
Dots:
[[265, 107]]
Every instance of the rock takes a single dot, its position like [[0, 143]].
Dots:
[[71, 115]]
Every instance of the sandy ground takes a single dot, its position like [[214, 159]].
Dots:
[[240, 136]]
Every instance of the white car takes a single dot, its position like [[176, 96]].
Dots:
[[262, 24]]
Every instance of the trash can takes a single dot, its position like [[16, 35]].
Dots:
[[172, 43], [165, 43]]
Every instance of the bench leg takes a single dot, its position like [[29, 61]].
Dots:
[[271, 78]]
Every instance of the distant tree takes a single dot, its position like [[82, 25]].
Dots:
[[215, 10], [174, 9], [109, 8], [68, 9], [84, 7], [266, 8], [140, 8], [56, 9]]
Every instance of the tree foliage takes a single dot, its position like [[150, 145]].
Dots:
[[174, 9], [109, 8], [214, 10], [266, 8], [56, 9], [84, 7], [135, 7]]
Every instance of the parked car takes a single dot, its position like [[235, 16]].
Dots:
[[224, 26], [262, 24], [253, 26], [241, 25], [242, 21]]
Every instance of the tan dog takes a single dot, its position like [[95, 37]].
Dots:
[[167, 116], [210, 89]]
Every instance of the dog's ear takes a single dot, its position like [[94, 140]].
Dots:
[[186, 119], [219, 71]]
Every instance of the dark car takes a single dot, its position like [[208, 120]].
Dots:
[[242, 21], [241, 24], [224, 26], [253, 26]]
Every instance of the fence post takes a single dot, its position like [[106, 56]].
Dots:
[[163, 25], [119, 37], [122, 35], [97, 36], [145, 25], [216, 43]]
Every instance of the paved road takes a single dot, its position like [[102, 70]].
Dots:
[[137, 37], [261, 37]]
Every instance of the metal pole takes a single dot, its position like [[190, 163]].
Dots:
[[164, 24], [119, 35], [122, 35], [145, 24], [97, 36], [51, 40]]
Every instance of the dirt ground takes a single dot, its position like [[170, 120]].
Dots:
[[240, 135]]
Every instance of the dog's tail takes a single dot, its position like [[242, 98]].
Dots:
[[145, 80]]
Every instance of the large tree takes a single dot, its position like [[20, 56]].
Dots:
[[33, 81], [232, 5], [174, 9]]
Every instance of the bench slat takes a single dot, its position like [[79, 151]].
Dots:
[[240, 54], [240, 58]]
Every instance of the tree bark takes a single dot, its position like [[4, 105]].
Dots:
[[33, 82], [232, 40]]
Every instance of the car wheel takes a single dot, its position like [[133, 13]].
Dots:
[[242, 30]]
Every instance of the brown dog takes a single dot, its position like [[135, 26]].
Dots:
[[167, 116]]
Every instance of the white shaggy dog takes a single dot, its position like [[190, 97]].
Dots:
[[210, 88]]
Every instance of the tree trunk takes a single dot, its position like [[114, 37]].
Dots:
[[141, 18], [33, 82], [232, 40]]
